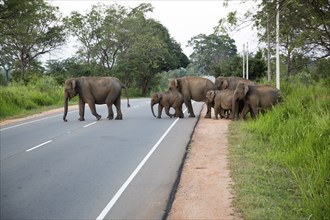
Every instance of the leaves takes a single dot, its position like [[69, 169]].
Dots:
[[30, 29], [210, 50]]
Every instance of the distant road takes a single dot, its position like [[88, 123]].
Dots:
[[118, 169]]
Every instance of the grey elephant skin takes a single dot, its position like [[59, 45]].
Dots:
[[167, 100], [222, 101], [94, 90], [256, 98], [193, 88], [231, 82]]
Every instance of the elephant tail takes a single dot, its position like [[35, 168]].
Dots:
[[126, 94]]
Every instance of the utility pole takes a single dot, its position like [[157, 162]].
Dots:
[[268, 52], [243, 60], [277, 45], [247, 60]]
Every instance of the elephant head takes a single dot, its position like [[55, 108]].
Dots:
[[241, 91], [238, 99], [70, 91], [222, 83], [174, 85], [155, 99], [210, 96]]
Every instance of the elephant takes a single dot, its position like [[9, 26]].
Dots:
[[222, 100], [230, 82], [193, 88], [94, 90], [256, 98], [167, 100]]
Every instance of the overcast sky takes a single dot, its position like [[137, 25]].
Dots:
[[183, 19]]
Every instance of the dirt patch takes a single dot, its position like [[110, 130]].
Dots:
[[204, 190]]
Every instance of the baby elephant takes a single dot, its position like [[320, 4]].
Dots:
[[167, 100], [222, 100]]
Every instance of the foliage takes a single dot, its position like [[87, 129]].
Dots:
[[99, 32], [286, 157], [211, 52], [18, 98], [29, 29], [304, 29], [257, 66], [124, 43]]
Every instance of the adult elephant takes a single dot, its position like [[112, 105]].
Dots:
[[230, 82], [193, 88], [94, 90], [256, 98]]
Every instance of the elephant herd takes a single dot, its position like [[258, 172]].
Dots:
[[231, 97]]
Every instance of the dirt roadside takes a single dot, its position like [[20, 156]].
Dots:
[[204, 189]]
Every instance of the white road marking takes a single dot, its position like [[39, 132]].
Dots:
[[114, 199], [33, 148], [90, 124], [29, 122]]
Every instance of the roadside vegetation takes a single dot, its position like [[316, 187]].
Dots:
[[280, 162]]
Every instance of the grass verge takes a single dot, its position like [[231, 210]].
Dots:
[[280, 163]]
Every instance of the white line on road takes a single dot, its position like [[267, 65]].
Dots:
[[29, 122], [114, 199], [89, 124], [33, 148]]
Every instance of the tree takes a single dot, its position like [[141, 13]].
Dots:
[[304, 27], [29, 29], [212, 50], [100, 33], [257, 66]]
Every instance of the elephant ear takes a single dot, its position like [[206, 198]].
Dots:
[[225, 84], [246, 89], [159, 95], [212, 94], [73, 84]]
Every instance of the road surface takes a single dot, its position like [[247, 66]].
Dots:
[[118, 169]]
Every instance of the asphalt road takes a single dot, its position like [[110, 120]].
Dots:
[[118, 169]]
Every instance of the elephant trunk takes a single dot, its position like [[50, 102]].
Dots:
[[66, 100], [152, 109]]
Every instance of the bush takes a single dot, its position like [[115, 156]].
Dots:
[[18, 98]]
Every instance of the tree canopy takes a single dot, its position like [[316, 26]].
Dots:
[[304, 29], [212, 52], [29, 29]]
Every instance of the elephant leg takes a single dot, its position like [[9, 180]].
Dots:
[[208, 113], [81, 110], [167, 111], [223, 113], [160, 109], [118, 108], [245, 110], [187, 102], [177, 113], [93, 110], [110, 111]]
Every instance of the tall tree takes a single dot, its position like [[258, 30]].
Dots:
[[304, 27], [211, 50], [29, 29], [100, 33]]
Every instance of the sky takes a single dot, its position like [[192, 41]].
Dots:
[[184, 19]]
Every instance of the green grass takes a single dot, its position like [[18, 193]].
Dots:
[[281, 162], [17, 99]]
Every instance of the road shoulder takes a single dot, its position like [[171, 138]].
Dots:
[[204, 191]]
